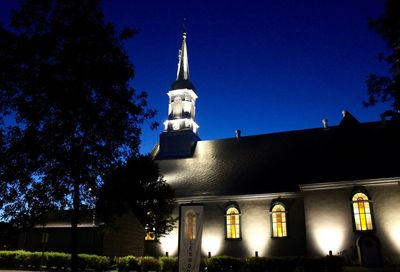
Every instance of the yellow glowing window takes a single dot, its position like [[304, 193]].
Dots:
[[362, 212], [278, 215], [150, 236], [232, 223], [190, 225]]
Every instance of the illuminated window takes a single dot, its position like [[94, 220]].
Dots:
[[362, 212], [150, 236], [190, 225], [278, 218], [232, 223]]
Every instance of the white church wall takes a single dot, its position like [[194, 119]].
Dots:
[[255, 230], [386, 208], [328, 221], [330, 225]]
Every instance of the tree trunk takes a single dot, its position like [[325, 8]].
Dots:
[[74, 227]]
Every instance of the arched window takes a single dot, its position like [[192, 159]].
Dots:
[[362, 212], [190, 225], [278, 219], [232, 223]]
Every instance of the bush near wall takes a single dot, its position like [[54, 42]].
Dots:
[[149, 264], [127, 263], [51, 260], [60, 261], [265, 264], [146, 264], [223, 263], [169, 264]]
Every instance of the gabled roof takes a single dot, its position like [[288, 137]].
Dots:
[[279, 162]]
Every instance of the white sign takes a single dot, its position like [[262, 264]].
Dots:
[[190, 232]]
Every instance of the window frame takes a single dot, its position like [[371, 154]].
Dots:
[[273, 204], [371, 210], [239, 215]]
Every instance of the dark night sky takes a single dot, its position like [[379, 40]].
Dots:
[[259, 66]]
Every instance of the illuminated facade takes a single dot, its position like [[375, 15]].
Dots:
[[308, 192]]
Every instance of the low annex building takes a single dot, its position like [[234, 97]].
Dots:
[[308, 192]]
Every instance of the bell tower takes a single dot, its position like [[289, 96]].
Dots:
[[182, 97], [180, 129]]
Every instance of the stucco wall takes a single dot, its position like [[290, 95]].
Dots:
[[328, 220], [330, 226], [386, 208], [255, 230]]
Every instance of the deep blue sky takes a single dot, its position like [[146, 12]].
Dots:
[[259, 66]]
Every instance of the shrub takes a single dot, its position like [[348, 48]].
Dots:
[[312, 264], [98, 263], [128, 263], [21, 258], [149, 264], [58, 260], [257, 264], [34, 259], [286, 264], [290, 264], [169, 264], [8, 258], [334, 263], [224, 263]]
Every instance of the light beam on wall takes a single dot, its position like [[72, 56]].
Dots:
[[169, 243], [257, 238], [396, 236], [211, 243], [393, 233], [329, 238]]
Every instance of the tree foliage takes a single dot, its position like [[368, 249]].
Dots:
[[69, 116], [387, 88], [137, 186], [65, 78]]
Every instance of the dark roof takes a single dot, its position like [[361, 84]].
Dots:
[[279, 162], [182, 84]]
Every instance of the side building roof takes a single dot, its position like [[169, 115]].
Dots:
[[279, 162]]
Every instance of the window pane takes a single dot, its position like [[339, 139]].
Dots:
[[232, 223], [278, 220], [355, 207], [362, 212]]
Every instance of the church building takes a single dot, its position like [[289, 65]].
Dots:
[[311, 192]]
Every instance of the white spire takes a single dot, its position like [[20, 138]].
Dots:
[[183, 64]]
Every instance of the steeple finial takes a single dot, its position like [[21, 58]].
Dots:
[[184, 28]]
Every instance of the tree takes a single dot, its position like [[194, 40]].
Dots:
[[137, 186], [387, 88], [68, 114]]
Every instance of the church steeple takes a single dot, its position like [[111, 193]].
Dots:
[[183, 64], [180, 129], [182, 97], [182, 74]]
